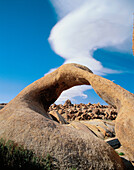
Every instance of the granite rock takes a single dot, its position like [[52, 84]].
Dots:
[[26, 121]]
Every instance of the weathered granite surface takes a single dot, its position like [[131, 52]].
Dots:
[[26, 121]]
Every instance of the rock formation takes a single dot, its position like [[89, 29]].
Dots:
[[78, 112], [81, 111], [25, 120], [123, 100]]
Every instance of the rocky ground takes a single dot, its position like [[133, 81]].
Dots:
[[100, 119], [77, 112], [84, 111]]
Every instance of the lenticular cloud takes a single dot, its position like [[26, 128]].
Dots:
[[87, 25]]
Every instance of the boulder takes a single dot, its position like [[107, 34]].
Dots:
[[25, 120], [57, 117], [67, 103], [102, 128], [123, 100]]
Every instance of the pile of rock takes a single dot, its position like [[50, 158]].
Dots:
[[78, 116], [84, 111]]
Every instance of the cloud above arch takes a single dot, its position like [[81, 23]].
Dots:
[[87, 25]]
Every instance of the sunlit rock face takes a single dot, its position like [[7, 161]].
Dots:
[[26, 121]]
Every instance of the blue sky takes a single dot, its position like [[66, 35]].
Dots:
[[26, 54]]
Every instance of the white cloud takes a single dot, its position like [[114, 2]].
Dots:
[[72, 93], [63, 7], [86, 25]]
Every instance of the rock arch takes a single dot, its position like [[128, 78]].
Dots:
[[26, 121]]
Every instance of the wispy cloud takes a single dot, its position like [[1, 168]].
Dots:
[[87, 25]]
